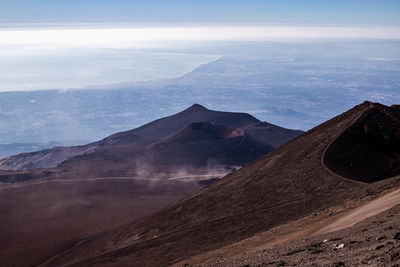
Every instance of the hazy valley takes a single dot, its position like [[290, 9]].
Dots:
[[328, 171]]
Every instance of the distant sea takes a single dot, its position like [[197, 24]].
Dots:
[[64, 69]]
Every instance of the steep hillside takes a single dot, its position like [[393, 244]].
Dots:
[[369, 150], [285, 185], [121, 179]]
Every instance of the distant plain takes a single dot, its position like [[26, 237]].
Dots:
[[293, 83]]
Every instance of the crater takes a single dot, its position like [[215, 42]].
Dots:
[[216, 130], [369, 150]]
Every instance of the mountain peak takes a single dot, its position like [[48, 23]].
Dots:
[[377, 107], [370, 104], [367, 103], [196, 107]]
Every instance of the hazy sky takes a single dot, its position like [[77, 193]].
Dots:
[[34, 58], [316, 12]]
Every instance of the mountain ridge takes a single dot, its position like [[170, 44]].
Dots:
[[280, 187], [154, 131], [127, 176]]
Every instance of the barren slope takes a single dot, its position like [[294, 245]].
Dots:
[[283, 186], [200, 147], [380, 198], [268, 134], [373, 242], [120, 179], [40, 218], [369, 150]]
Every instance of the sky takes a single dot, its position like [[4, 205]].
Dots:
[[289, 12]]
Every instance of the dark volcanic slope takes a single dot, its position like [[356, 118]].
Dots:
[[284, 185], [120, 179], [268, 134], [206, 144], [199, 147], [369, 150]]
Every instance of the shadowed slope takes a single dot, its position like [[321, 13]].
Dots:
[[163, 127], [369, 150], [200, 147], [203, 143], [284, 185]]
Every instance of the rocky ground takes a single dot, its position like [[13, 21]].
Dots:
[[373, 242], [290, 183]]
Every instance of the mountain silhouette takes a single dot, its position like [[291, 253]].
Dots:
[[126, 152]]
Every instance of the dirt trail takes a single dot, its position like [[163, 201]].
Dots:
[[308, 226], [368, 210], [186, 177]]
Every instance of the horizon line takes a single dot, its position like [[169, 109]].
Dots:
[[177, 23]]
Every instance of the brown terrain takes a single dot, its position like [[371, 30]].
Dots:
[[372, 242], [140, 143], [319, 224], [101, 186], [368, 150], [302, 183]]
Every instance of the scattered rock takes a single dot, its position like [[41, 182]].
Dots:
[[340, 263], [337, 246], [379, 247], [380, 238]]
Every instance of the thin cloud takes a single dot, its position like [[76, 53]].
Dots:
[[147, 37]]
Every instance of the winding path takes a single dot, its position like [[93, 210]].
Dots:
[[112, 178], [364, 212]]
